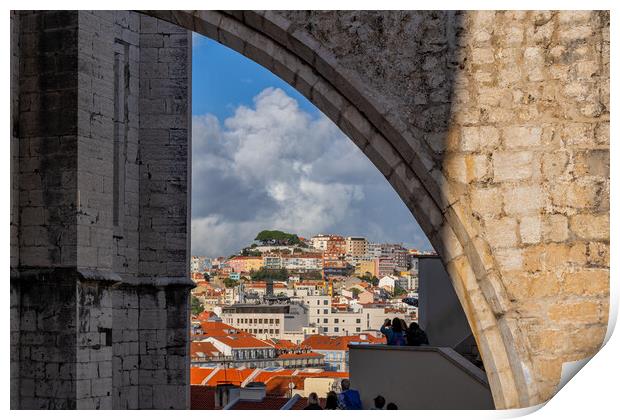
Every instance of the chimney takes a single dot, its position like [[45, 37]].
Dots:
[[223, 395]]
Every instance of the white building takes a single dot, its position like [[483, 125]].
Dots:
[[389, 282], [374, 250], [267, 321], [320, 242], [302, 262], [272, 262], [199, 264], [337, 323]]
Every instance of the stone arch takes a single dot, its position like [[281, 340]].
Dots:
[[406, 160]]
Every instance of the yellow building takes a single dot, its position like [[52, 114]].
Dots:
[[362, 267], [254, 263]]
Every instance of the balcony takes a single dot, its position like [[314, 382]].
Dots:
[[418, 378]]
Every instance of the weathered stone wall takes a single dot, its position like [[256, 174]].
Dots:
[[96, 321], [14, 298], [513, 109], [493, 129]]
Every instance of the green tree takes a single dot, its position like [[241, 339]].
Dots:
[[196, 306], [228, 282], [398, 291], [270, 273], [369, 278], [206, 276], [277, 237]]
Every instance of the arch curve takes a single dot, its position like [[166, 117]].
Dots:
[[407, 162]]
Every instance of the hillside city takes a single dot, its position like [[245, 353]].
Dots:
[[283, 310]]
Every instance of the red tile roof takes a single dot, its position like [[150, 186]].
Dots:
[[279, 385], [242, 341], [198, 374], [323, 342], [300, 355], [324, 374], [282, 344], [202, 397], [262, 285], [219, 329], [205, 347], [206, 315], [264, 376]]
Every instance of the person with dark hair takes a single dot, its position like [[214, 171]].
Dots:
[[392, 406], [349, 399], [404, 325], [379, 403], [395, 334], [416, 335], [331, 403], [313, 402]]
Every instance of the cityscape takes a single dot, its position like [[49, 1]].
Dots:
[[283, 310]]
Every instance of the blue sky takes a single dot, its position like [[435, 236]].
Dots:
[[223, 79], [263, 157]]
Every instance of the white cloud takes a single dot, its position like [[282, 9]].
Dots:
[[273, 166]]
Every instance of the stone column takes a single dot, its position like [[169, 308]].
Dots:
[[98, 313]]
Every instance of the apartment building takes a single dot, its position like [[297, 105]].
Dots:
[[302, 262], [199, 264], [319, 242], [374, 250], [356, 246], [272, 262], [322, 315], [385, 266], [397, 253], [245, 264], [367, 266], [267, 321]]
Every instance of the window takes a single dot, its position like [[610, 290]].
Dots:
[[325, 329], [277, 331], [270, 331], [260, 331], [318, 311], [358, 321], [358, 329], [325, 302], [271, 321], [336, 320], [325, 311], [318, 302], [260, 321], [277, 321], [324, 320], [336, 329]]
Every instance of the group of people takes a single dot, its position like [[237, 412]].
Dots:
[[348, 399], [398, 334]]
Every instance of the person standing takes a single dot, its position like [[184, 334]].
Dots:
[[313, 402], [379, 403], [416, 335], [331, 402], [349, 399], [395, 334]]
